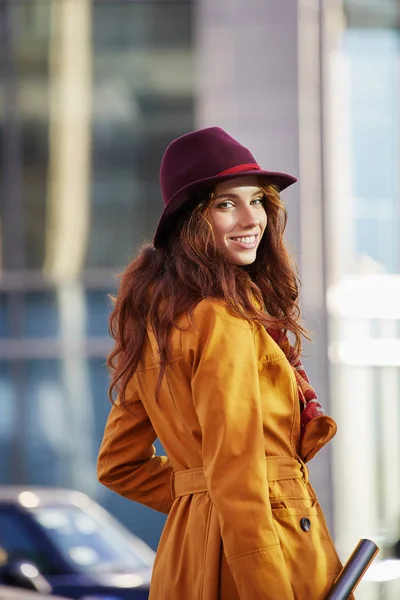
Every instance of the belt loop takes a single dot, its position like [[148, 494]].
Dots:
[[304, 469]]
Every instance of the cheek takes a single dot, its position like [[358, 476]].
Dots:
[[265, 220], [220, 227]]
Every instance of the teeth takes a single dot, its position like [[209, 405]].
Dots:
[[246, 240]]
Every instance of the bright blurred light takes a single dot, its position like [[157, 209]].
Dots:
[[369, 352], [83, 555], [366, 297], [28, 499], [29, 570], [385, 570], [126, 580], [3, 557], [99, 598]]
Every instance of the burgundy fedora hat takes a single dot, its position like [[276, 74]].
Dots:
[[200, 158]]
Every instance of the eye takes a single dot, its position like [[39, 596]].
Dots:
[[225, 204], [258, 201]]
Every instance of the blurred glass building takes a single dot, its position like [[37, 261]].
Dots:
[[92, 91], [91, 94], [362, 199]]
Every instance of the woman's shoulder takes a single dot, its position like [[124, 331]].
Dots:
[[213, 311]]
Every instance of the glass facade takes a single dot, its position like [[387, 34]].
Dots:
[[91, 93], [364, 286], [375, 131]]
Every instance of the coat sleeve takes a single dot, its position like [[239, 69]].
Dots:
[[127, 463], [226, 396]]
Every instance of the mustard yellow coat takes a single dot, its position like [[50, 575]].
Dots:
[[243, 520]]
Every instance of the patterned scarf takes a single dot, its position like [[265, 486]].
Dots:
[[309, 405]]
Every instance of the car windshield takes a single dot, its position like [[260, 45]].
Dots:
[[92, 542]]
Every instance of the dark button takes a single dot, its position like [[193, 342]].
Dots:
[[305, 524]]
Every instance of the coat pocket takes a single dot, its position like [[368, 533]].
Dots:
[[308, 550]]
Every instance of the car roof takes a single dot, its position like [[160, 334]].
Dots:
[[26, 495]]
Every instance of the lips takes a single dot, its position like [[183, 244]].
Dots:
[[248, 239], [247, 242]]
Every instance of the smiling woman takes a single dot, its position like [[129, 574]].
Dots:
[[202, 358]]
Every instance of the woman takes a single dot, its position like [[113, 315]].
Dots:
[[203, 362]]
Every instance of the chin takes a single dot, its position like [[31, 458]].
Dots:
[[246, 263], [243, 261]]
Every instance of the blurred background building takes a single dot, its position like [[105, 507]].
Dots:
[[91, 92]]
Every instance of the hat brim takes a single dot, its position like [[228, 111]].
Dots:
[[165, 224]]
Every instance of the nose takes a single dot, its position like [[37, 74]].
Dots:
[[248, 217]]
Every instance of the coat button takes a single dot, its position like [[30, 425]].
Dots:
[[305, 524]]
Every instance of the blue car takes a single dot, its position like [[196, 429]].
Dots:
[[75, 547]]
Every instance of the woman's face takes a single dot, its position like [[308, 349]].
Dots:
[[238, 218]]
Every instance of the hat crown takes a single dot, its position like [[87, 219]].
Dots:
[[197, 156]]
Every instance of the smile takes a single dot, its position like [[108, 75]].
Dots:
[[248, 241]]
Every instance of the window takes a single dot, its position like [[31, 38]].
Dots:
[[91, 541], [20, 543]]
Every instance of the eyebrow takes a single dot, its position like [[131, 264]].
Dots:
[[219, 196]]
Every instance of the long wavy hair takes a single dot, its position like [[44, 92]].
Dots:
[[164, 282]]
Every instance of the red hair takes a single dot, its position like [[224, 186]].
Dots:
[[188, 269]]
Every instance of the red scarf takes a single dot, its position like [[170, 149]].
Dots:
[[309, 405]]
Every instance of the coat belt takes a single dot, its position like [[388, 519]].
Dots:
[[193, 481]]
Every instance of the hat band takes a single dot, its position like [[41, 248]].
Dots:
[[240, 168]]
